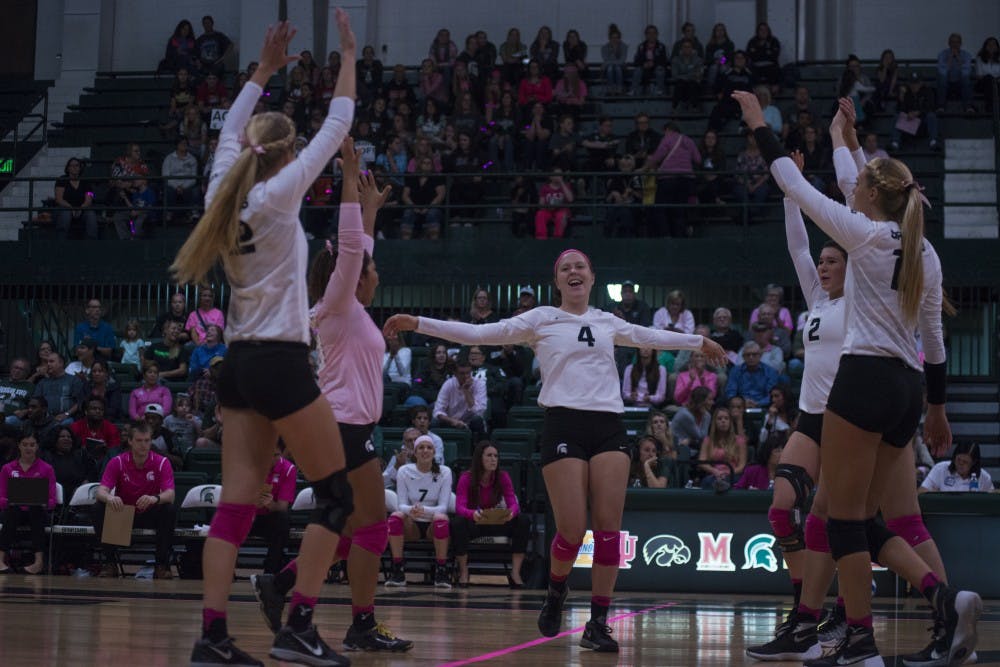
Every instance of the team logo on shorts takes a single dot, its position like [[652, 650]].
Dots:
[[758, 553], [665, 550], [369, 445], [562, 449]]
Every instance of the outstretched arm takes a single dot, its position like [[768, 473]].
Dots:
[[510, 331], [631, 335], [341, 287]]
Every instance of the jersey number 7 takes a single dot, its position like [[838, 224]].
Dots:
[[423, 494]]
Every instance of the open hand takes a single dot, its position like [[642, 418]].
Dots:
[[371, 196], [714, 354], [937, 431], [347, 41], [273, 55], [753, 116], [397, 323]]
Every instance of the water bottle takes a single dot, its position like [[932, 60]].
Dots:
[[974, 482], [689, 485]]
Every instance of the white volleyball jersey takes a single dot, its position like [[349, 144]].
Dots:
[[576, 353], [875, 322], [431, 490], [267, 275]]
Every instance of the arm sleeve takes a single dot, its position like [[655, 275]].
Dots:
[[441, 402], [167, 479], [633, 336], [510, 331], [444, 493], [851, 230], [229, 137], [403, 492], [509, 497], [845, 165], [340, 288], [798, 250], [479, 396], [462, 497]]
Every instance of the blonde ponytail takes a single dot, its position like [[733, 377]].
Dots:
[[911, 270], [269, 140]]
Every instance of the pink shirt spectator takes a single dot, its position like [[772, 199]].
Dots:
[[754, 477], [784, 318], [351, 373], [689, 380], [541, 91], [38, 469], [107, 432], [131, 482], [551, 196], [684, 323], [411, 166], [679, 161], [466, 506], [282, 481], [143, 396], [451, 401], [564, 95], [642, 395], [213, 316], [433, 86]]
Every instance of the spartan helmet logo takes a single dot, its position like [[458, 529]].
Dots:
[[92, 494], [369, 445], [759, 553], [208, 495], [562, 449], [665, 550]]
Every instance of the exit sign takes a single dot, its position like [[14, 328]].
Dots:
[[7, 165]]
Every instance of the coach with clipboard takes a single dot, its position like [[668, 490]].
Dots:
[[27, 490]]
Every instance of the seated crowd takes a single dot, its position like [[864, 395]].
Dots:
[[476, 113]]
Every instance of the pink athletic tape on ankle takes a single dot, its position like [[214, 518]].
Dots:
[[441, 530], [210, 615], [811, 613], [395, 525], [911, 528], [232, 523], [600, 600], [563, 550], [293, 565], [299, 599], [607, 548], [781, 522], [343, 548], [373, 538], [816, 537]]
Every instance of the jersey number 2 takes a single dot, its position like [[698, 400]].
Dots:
[[814, 330], [586, 336]]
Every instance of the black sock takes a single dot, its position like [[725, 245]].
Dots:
[[284, 581], [300, 617], [599, 613], [216, 631], [557, 586], [797, 585], [364, 621]]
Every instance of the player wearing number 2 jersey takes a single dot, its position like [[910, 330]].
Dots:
[[893, 286], [585, 450]]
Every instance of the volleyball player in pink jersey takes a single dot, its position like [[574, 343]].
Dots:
[[585, 449], [342, 283]]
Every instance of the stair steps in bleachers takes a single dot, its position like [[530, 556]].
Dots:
[[973, 410], [967, 222]]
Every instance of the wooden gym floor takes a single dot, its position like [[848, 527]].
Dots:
[[47, 621]]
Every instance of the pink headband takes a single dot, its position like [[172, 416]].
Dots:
[[555, 267]]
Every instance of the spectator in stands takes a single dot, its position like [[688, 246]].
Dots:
[[644, 382], [162, 439], [696, 375], [433, 84], [725, 335], [461, 403], [546, 51], [601, 146], [397, 361], [204, 399], [145, 480], [292, 91], [182, 95], [762, 333], [85, 355], [126, 171], [369, 75], [420, 419], [394, 160], [767, 313], [782, 415], [760, 476], [752, 380], [614, 56], [211, 48], [212, 94], [131, 224], [644, 472], [485, 487], [474, 80], [624, 192], [212, 346], [763, 50], [206, 313], [958, 473], [45, 349], [712, 185], [753, 182], [486, 53], [93, 429], [736, 77], [101, 384], [513, 56], [271, 518], [183, 424], [439, 368], [442, 53], [150, 391], [651, 64], [552, 197], [792, 118], [35, 418], [423, 194], [523, 195], [643, 140], [481, 310], [169, 355], [687, 68], [398, 89], [16, 389], [513, 362], [774, 294], [526, 300], [422, 148], [631, 309], [27, 466], [180, 51], [534, 88], [503, 121], [564, 143], [886, 80], [400, 458], [718, 53], [575, 52], [795, 136], [431, 122], [673, 161], [537, 133], [570, 93], [71, 465], [325, 86], [132, 346], [466, 117], [916, 113], [309, 67], [771, 114], [467, 189], [658, 428], [954, 71], [722, 446], [75, 215], [855, 85], [423, 489], [871, 148], [96, 329], [496, 385], [817, 159], [674, 314], [195, 130], [988, 69], [691, 423], [62, 392], [183, 191]]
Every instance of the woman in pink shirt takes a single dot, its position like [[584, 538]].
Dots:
[[536, 87], [484, 486], [206, 313], [342, 282], [27, 465], [695, 376], [150, 391]]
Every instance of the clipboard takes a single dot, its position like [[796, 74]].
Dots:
[[118, 525], [495, 516]]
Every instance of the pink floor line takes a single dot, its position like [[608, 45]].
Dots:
[[541, 640]]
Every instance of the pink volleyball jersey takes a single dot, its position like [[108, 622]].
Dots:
[[282, 481], [131, 483]]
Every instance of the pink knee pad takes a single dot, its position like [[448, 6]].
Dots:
[[607, 547], [373, 538], [816, 537], [395, 525], [911, 528], [781, 522], [441, 530], [232, 523], [343, 548], [563, 550]]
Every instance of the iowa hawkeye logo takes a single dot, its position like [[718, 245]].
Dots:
[[665, 550]]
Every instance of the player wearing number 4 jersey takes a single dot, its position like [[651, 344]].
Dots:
[[585, 450], [893, 286]]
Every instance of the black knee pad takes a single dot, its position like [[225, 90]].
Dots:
[[334, 502], [846, 537], [877, 534], [802, 485]]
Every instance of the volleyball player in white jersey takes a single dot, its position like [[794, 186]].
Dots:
[[267, 389], [893, 286], [584, 447]]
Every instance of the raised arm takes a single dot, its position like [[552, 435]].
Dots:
[[341, 287], [798, 246], [516, 330]]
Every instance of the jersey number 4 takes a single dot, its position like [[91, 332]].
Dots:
[[814, 330], [586, 336]]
